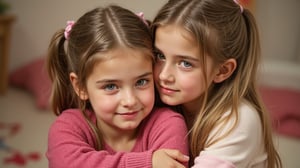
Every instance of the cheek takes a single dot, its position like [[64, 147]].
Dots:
[[103, 104], [147, 98], [157, 70], [192, 85]]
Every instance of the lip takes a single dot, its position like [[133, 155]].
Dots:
[[167, 91], [129, 115]]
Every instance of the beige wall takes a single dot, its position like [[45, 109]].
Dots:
[[278, 20], [37, 20], [279, 29]]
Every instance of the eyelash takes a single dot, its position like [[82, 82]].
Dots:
[[159, 56], [141, 83], [108, 87], [145, 82], [182, 63]]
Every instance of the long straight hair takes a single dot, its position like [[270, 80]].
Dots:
[[222, 31]]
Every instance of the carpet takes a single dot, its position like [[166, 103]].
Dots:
[[23, 131]]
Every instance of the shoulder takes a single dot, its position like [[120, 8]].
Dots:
[[245, 141], [248, 124], [70, 116], [165, 128], [249, 120], [71, 120], [164, 119], [164, 114]]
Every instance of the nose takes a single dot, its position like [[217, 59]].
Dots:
[[165, 73], [129, 98]]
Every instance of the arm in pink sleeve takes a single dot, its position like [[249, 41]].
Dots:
[[168, 130], [71, 144]]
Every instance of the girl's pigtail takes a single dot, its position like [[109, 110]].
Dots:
[[58, 71]]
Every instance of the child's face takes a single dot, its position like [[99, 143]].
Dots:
[[178, 70], [121, 89]]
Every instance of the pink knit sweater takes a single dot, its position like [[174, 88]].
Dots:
[[71, 142]]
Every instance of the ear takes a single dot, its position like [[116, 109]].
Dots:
[[81, 93], [225, 70]]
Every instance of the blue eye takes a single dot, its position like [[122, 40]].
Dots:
[[110, 87], [142, 82], [185, 64], [159, 56]]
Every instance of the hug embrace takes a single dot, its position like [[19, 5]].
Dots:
[[179, 91]]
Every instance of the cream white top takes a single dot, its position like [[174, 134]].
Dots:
[[242, 148]]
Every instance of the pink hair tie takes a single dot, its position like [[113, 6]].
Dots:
[[238, 3], [68, 29], [141, 15]]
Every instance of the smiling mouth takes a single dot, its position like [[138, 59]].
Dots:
[[128, 113], [168, 91], [131, 112]]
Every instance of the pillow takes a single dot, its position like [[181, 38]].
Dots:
[[33, 77], [283, 105]]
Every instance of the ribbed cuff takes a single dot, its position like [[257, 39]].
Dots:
[[139, 159]]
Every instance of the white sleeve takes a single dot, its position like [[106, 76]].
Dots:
[[243, 147]]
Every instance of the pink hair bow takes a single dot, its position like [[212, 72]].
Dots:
[[238, 3], [68, 29], [141, 15]]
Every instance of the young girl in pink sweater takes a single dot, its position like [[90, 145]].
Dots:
[[101, 67]]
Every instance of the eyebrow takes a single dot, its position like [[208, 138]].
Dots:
[[187, 57], [178, 56], [156, 49], [115, 80]]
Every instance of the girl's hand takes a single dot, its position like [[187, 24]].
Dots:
[[169, 158]]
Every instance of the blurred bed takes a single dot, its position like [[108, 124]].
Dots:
[[280, 87]]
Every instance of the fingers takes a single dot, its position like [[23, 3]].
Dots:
[[177, 155], [169, 158]]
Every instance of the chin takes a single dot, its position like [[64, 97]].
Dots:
[[170, 101], [130, 126]]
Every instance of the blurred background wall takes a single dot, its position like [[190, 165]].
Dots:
[[279, 23], [37, 21]]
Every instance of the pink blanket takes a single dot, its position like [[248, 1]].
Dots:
[[284, 107]]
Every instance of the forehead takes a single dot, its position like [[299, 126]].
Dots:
[[174, 40], [123, 59], [173, 30], [120, 52]]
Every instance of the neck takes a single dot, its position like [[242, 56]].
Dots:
[[191, 110]]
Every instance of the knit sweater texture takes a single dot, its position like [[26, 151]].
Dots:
[[71, 142]]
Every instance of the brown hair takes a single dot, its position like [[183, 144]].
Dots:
[[97, 31], [222, 31]]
